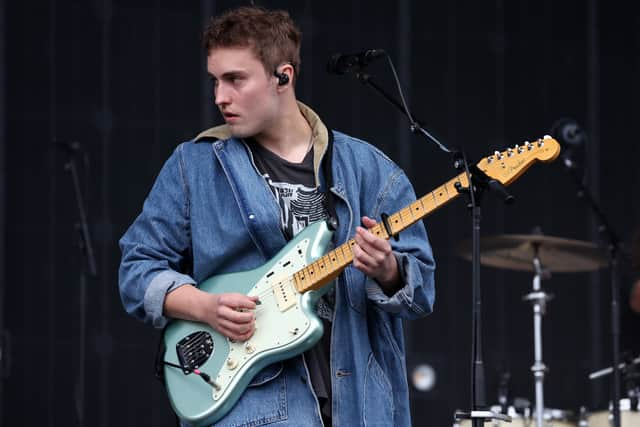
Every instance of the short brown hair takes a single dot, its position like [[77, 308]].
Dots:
[[271, 34]]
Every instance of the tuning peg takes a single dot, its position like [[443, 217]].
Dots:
[[498, 155]]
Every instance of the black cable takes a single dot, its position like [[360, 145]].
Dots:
[[205, 377], [415, 126]]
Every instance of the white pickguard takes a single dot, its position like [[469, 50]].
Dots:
[[274, 328]]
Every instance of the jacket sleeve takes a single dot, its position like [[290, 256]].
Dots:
[[157, 246], [413, 253]]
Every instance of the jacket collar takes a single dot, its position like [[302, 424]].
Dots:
[[320, 135]]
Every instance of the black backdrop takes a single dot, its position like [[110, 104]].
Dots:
[[126, 80]]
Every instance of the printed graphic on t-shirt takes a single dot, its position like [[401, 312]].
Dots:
[[300, 206]]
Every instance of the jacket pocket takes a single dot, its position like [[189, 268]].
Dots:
[[355, 287], [378, 405], [267, 374], [263, 402], [385, 328]]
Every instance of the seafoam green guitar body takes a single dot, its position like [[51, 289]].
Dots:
[[286, 325]]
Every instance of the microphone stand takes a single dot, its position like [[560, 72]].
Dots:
[[614, 250], [88, 268], [478, 182]]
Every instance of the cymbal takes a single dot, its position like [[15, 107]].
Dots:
[[556, 254]]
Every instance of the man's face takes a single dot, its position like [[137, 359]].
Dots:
[[246, 96]]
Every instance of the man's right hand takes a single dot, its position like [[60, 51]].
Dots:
[[231, 314]]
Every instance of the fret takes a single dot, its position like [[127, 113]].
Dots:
[[331, 260], [441, 195], [320, 266], [406, 217], [346, 253], [328, 268], [379, 231], [396, 222], [446, 190], [348, 250], [417, 208], [310, 271], [428, 202], [411, 210], [404, 221]]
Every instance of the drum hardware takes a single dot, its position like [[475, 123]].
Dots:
[[522, 406], [607, 371], [556, 254], [583, 420], [503, 392], [552, 418], [629, 415], [630, 378], [462, 418], [541, 255], [629, 408]]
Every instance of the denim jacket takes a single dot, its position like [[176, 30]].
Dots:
[[211, 212]]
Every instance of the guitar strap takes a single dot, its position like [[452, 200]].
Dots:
[[327, 171]]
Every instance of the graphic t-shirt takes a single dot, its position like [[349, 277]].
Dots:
[[301, 204]]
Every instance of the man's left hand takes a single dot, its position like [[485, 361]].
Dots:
[[374, 257]]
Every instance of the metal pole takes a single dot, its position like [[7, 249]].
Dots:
[[2, 206], [538, 298]]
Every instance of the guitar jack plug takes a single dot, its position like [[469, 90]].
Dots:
[[205, 377]]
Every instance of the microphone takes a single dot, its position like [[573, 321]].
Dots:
[[68, 146], [342, 63], [569, 133]]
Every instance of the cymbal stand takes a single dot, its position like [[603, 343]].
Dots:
[[538, 298]]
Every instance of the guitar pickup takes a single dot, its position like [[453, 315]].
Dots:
[[285, 295]]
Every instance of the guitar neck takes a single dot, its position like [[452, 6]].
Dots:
[[324, 270]]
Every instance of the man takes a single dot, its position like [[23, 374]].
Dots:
[[230, 199]]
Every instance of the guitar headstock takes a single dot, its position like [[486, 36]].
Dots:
[[508, 165]]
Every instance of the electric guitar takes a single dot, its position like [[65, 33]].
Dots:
[[206, 373]]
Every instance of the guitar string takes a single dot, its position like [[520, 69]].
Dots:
[[291, 279], [425, 210], [344, 247]]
